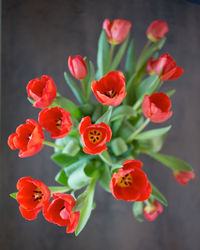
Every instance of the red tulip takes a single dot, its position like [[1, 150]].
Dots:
[[183, 177], [110, 89], [157, 30], [59, 211], [130, 183], [28, 138], [151, 212], [156, 107], [94, 136], [55, 120], [77, 67], [165, 67], [32, 195], [117, 30], [42, 91]]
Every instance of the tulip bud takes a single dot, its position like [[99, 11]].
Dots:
[[77, 67], [43, 91], [165, 67], [152, 210], [156, 107], [157, 30], [117, 30], [183, 177]]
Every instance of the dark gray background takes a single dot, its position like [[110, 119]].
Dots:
[[38, 37]]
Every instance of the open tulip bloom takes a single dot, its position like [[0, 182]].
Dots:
[[101, 140]]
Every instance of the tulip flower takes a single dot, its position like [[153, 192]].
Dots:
[[183, 177], [156, 107], [32, 195], [117, 30], [77, 67], [130, 183], [165, 67], [28, 138], [94, 136], [55, 120], [110, 89], [152, 210], [59, 211], [43, 91], [157, 30]]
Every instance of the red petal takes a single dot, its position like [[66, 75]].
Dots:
[[85, 122], [130, 164], [145, 195], [29, 214], [74, 219]]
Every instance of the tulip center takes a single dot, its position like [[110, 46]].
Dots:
[[95, 136], [38, 195], [111, 93], [59, 123], [125, 180], [64, 214]]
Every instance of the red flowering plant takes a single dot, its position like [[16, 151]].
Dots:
[[101, 140]]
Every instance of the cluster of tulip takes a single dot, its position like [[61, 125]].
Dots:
[[100, 141]]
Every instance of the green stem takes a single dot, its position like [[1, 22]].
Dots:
[[148, 43], [112, 48], [58, 189], [53, 145], [147, 203], [82, 86], [107, 160], [137, 131], [157, 86]]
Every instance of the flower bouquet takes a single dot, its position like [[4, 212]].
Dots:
[[101, 141]]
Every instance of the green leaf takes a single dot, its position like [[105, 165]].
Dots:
[[61, 159], [147, 87], [149, 52], [125, 130], [103, 59], [80, 202], [152, 133], [75, 89], [105, 178], [106, 158], [92, 169], [130, 65], [72, 148], [91, 78], [87, 109], [30, 100], [58, 189], [67, 105], [86, 209], [61, 178], [13, 195], [87, 77], [118, 146], [106, 116], [115, 167], [155, 144], [138, 210], [122, 111], [119, 54], [171, 92], [97, 112], [78, 178], [158, 195], [171, 162], [131, 85]]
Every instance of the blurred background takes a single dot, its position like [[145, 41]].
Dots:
[[37, 38]]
